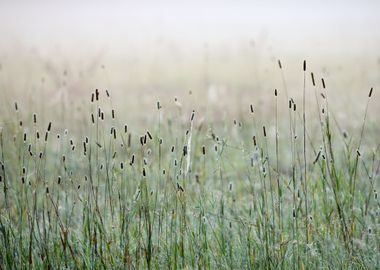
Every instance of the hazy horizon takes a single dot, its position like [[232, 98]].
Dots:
[[332, 27]]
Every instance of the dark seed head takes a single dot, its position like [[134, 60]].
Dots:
[[97, 94], [180, 188], [312, 79], [149, 135]]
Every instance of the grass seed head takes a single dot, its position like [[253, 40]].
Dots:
[[312, 79], [370, 92]]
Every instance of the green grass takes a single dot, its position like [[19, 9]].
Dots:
[[185, 194]]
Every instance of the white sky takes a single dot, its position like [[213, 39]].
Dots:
[[317, 25]]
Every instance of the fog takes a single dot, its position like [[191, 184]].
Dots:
[[160, 49], [287, 26]]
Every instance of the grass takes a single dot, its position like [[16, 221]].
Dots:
[[184, 194]]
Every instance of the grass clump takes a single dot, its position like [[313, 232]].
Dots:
[[185, 194]]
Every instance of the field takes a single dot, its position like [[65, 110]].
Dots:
[[205, 156]]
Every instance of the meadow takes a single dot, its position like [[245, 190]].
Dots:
[[268, 176]]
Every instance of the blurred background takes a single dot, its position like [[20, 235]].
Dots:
[[214, 56]]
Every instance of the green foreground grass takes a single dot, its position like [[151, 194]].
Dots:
[[186, 195]]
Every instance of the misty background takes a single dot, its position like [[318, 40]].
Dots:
[[288, 26], [222, 52]]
